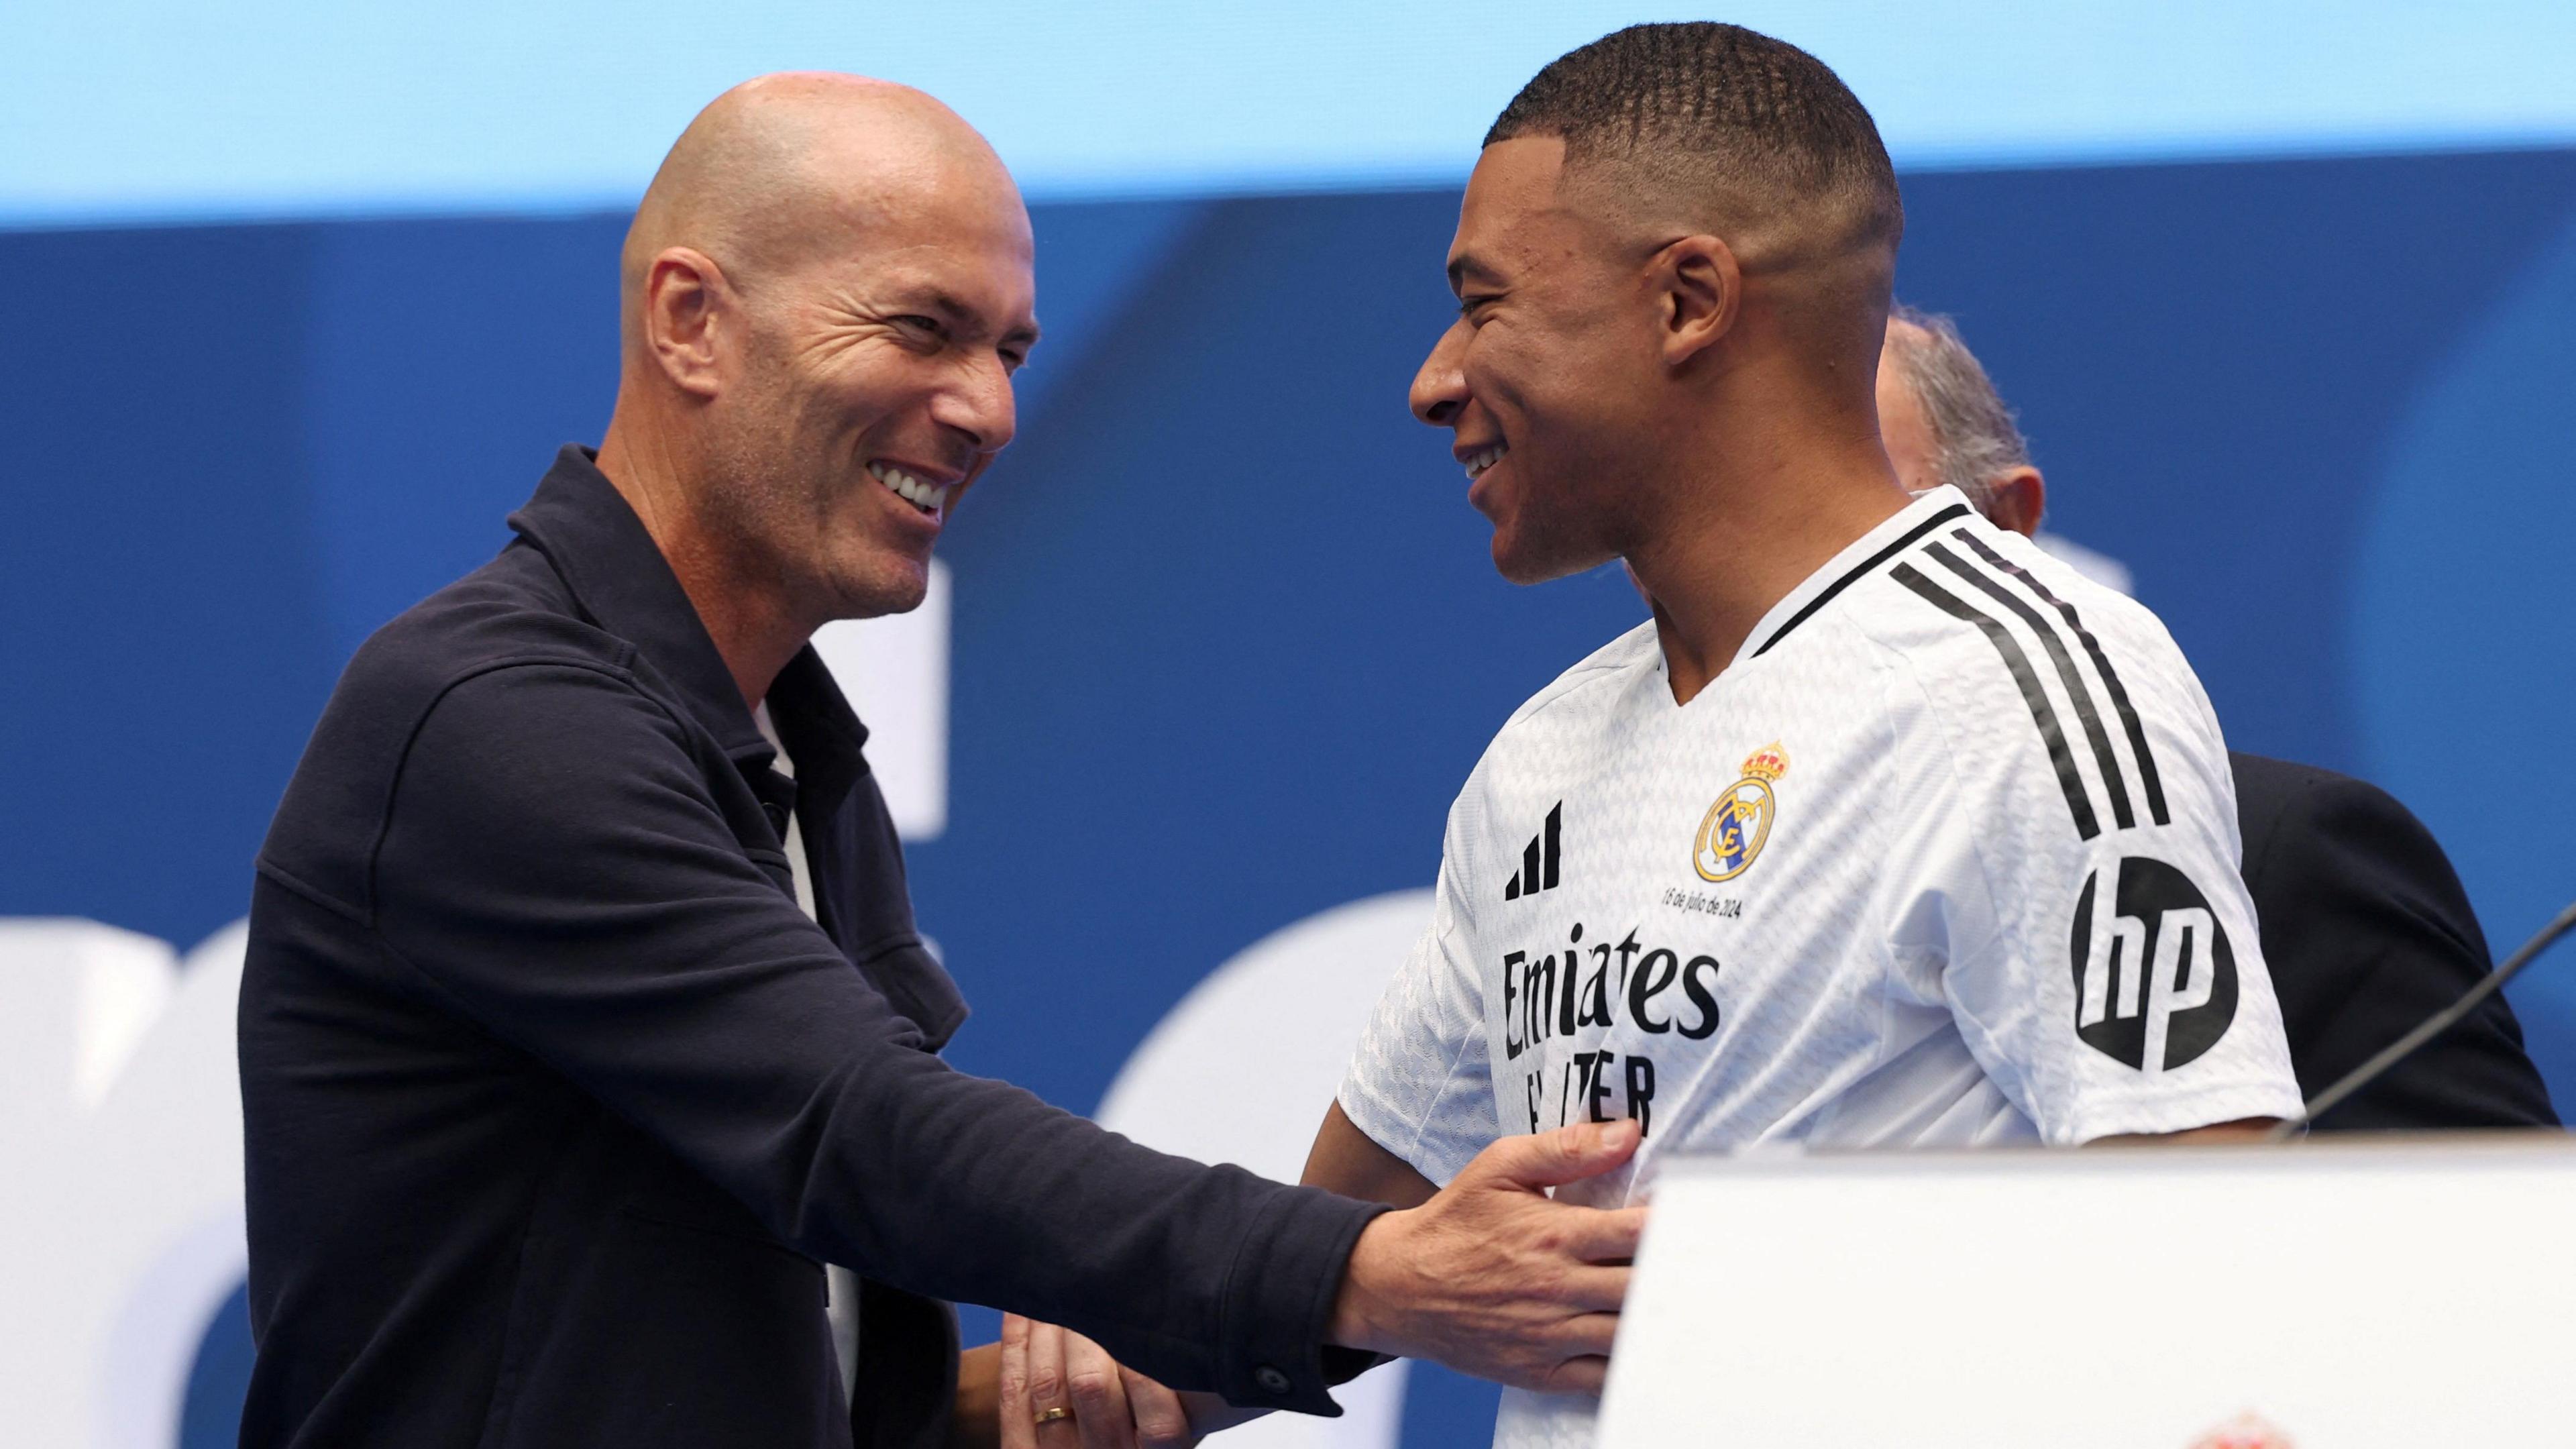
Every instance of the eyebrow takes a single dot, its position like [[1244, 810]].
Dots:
[[1465, 266]]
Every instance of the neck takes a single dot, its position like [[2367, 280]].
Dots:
[[745, 611], [1737, 542]]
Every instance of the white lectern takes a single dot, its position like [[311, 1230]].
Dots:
[[2398, 1293]]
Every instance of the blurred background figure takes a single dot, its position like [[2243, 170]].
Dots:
[[2364, 923]]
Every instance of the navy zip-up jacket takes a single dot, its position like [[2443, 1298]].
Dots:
[[555, 1102]]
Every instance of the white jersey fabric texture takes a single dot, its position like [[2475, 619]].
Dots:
[[1946, 856]]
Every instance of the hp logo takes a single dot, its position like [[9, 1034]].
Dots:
[[2155, 982]]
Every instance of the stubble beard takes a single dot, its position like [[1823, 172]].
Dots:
[[1552, 535], [783, 515]]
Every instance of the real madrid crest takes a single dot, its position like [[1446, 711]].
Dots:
[[1732, 832]]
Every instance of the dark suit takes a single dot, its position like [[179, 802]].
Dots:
[[555, 1104], [2368, 932]]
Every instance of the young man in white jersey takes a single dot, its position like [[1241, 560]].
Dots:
[[1888, 829]]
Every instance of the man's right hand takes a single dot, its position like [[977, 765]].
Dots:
[[1494, 1278]]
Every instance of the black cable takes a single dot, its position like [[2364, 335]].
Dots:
[[2433, 1026]]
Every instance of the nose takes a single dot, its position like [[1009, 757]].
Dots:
[[979, 404], [1440, 385]]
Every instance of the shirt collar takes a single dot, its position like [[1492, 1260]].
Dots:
[[1859, 558], [618, 576], [814, 721]]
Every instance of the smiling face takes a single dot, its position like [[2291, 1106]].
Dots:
[[1549, 379], [872, 386]]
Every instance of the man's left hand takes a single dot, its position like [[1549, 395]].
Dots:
[[1086, 1398]]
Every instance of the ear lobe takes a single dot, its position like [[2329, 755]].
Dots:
[[1703, 291], [685, 298]]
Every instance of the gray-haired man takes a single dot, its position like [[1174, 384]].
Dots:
[[2363, 921]]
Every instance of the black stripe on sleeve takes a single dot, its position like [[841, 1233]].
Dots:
[[2041, 712], [1955, 510], [2085, 714], [2148, 779]]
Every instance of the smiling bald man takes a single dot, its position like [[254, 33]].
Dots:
[[585, 1019]]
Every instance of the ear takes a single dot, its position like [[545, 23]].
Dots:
[[1699, 291], [688, 307], [2019, 498]]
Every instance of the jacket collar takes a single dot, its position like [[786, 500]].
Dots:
[[618, 576]]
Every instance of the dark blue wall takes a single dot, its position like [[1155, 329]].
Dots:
[[1225, 636]]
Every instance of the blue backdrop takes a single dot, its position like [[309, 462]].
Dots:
[[1225, 636]]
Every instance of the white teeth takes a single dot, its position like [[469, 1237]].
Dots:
[[928, 497], [1479, 462]]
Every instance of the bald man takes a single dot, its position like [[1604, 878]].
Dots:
[[585, 1019]]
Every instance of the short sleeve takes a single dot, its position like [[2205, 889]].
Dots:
[[2070, 866], [1419, 1085]]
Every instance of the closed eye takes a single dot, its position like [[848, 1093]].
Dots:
[[1467, 305]]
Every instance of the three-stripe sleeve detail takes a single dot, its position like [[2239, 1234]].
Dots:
[[2149, 781], [2078, 802], [2081, 697]]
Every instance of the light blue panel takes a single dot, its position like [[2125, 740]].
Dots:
[[2464, 624], [124, 109]]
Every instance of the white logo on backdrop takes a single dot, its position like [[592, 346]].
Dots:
[[120, 1137], [895, 671]]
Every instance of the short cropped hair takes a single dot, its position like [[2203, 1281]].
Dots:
[[1721, 107], [1975, 438]]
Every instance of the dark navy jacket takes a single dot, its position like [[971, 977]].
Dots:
[[2367, 932], [555, 1102]]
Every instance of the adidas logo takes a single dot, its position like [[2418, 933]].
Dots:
[[1538, 859]]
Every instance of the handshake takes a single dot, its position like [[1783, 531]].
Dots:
[[1489, 1276]]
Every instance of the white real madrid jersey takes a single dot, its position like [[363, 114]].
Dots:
[[1947, 855]]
